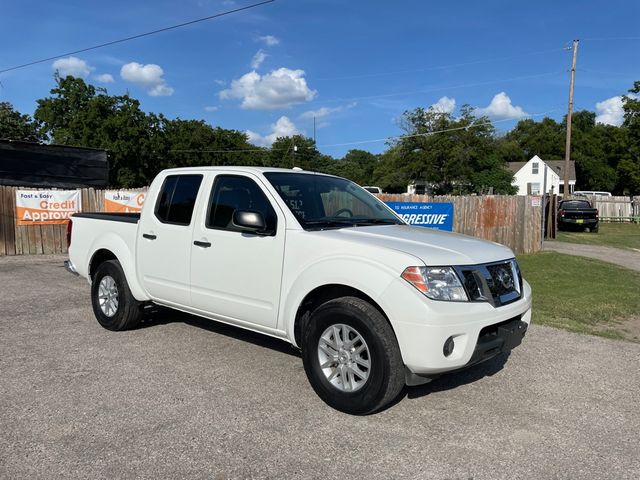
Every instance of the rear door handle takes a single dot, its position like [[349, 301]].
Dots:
[[198, 243], [149, 236]]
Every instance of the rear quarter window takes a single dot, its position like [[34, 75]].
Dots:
[[177, 199]]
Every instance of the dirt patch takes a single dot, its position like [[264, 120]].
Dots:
[[627, 329]]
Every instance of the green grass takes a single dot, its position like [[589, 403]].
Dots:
[[582, 295], [620, 235]]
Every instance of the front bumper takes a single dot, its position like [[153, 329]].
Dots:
[[479, 330]]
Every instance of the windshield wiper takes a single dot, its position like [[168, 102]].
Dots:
[[329, 223], [376, 221]]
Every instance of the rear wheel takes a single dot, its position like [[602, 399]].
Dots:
[[113, 304], [351, 356]]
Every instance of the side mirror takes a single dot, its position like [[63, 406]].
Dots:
[[250, 221]]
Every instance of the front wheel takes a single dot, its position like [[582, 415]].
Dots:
[[113, 304], [351, 356]]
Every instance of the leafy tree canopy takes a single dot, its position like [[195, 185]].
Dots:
[[16, 126], [461, 154]]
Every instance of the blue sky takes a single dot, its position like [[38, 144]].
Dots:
[[355, 65]]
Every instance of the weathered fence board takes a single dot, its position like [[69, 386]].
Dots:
[[37, 239], [510, 220]]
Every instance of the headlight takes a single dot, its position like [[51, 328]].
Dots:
[[437, 283]]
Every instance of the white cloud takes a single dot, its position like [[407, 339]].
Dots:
[[282, 128], [501, 108], [222, 83], [148, 77], [269, 40], [325, 111], [104, 78], [444, 105], [72, 66], [319, 113], [258, 58], [610, 111], [279, 89], [162, 90], [211, 108]]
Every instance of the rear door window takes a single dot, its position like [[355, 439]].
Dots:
[[177, 199]]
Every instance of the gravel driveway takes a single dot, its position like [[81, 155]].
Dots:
[[185, 398], [625, 258]]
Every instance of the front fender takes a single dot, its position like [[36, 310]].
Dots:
[[363, 274]]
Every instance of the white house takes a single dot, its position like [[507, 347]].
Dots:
[[529, 176]]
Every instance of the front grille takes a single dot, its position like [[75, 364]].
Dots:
[[474, 290], [502, 281], [496, 283]]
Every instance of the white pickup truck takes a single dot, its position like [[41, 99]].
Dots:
[[372, 303]]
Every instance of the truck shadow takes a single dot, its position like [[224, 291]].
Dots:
[[448, 381], [163, 316], [455, 379]]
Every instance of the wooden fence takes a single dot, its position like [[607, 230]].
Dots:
[[616, 209], [510, 220], [37, 239]]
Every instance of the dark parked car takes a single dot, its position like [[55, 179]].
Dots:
[[577, 215]]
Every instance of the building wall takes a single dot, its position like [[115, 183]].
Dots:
[[525, 176]]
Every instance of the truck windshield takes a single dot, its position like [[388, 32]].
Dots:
[[320, 201]]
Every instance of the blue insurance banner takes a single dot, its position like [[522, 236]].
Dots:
[[420, 214]]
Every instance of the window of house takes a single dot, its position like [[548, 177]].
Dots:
[[535, 188], [534, 168], [177, 199]]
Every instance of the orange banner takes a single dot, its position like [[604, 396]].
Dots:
[[46, 207], [123, 201]]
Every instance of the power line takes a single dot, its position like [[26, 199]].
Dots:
[[376, 140], [435, 89], [473, 125], [439, 67], [133, 37], [609, 38], [607, 73]]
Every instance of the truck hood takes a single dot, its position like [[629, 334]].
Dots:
[[433, 247]]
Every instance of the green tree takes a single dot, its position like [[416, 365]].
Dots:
[[296, 151], [195, 142], [81, 115], [453, 155], [16, 126], [545, 138], [629, 168]]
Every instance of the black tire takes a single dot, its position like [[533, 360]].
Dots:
[[595, 229], [386, 377], [128, 312]]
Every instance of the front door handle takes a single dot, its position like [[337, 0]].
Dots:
[[198, 243], [149, 236]]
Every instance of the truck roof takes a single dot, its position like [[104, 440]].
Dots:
[[244, 169]]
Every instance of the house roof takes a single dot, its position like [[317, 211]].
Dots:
[[556, 165], [516, 166]]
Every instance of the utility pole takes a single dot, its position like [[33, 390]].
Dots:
[[314, 130], [567, 149]]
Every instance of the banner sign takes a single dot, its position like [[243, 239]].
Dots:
[[46, 207], [123, 201], [432, 215]]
